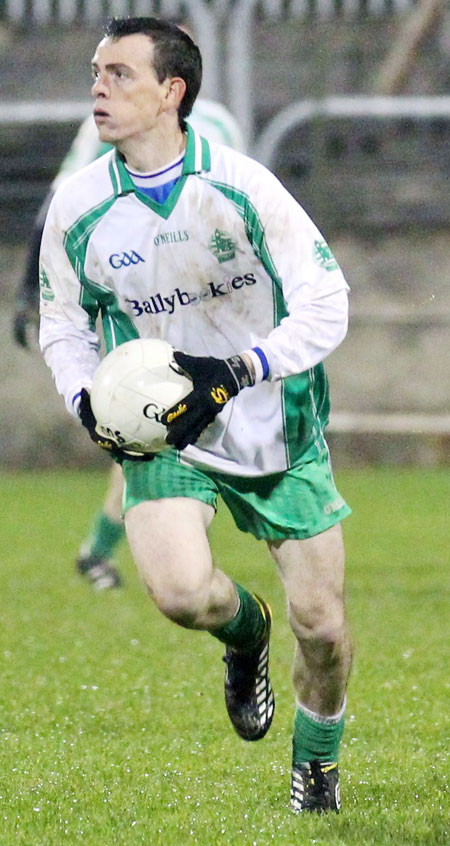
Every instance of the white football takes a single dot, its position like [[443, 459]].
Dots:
[[132, 387]]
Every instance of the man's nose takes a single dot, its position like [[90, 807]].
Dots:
[[99, 87]]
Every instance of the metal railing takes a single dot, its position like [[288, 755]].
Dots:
[[358, 108], [42, 12], [366, 423]]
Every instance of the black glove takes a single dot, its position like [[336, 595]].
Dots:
[[25, 318], [88, 420], [215, 380]]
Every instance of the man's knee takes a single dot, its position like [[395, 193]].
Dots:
[[182, 604], [321, 627]]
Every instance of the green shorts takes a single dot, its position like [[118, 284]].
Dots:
[[297, 503]]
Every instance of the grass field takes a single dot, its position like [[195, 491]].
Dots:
[[113, 727]]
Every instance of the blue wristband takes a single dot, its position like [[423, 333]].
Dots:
[[262, 357]]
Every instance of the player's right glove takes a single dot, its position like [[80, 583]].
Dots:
[[89, 422], [216, 381]]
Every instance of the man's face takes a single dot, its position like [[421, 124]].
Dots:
[[128, 96]]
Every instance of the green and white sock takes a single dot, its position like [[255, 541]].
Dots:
[[105, 536], [316, 737], [247, 627]]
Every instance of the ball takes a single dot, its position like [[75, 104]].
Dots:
[[132, 387]]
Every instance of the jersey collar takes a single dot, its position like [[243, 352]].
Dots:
[[197, 159]]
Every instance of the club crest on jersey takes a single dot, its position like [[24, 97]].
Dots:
[[324, 257], [124, 259], [222, 245], [46, 290]]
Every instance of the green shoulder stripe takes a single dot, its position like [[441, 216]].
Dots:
[[117, 326], [257, 238]]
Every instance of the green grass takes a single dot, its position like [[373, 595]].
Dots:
[[112, 724]]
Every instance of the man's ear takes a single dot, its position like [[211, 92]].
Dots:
[[176, 89]]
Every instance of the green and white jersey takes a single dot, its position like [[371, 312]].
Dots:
[[230, 262]]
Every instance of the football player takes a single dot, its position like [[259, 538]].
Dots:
[[230, 270]]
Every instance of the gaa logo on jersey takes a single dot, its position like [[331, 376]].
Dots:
[[124, 259]]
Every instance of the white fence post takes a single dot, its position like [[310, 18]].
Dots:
[[42, 11], [169, 8], [205, 24], [239, 66], [15, 10], [67, 11], [118, 8]]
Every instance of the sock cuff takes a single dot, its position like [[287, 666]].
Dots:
[[247, 625], [317, 736], [331, 720]]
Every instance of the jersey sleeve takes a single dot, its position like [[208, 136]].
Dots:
[[310, 291], [67, 335]]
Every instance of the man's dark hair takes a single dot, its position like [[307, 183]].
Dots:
[[175, 54]]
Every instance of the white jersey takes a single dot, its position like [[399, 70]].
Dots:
[[208, 118], [230, 262]]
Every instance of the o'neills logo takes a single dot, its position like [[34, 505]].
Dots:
[[171, 237]]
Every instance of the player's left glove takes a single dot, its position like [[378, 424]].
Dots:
[[25, 319], [89, 422], [215, 380]]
